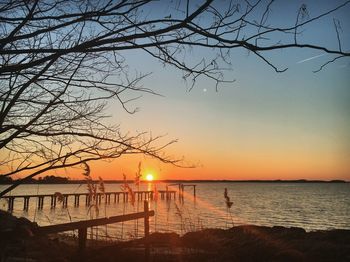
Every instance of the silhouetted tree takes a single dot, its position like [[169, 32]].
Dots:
[[63, 60], [54, 180], [5, 180]]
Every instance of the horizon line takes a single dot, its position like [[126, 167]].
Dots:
[[214, 180]]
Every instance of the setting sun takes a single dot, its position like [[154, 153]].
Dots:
[[149, 177]]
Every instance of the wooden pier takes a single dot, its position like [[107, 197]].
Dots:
[[182, 189], [98, 198]]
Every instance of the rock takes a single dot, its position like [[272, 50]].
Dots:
[[8, 221], [14, 227], [164, 239]]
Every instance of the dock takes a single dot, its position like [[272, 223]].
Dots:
[[98, 198]]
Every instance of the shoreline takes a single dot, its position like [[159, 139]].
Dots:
[[239, 243]]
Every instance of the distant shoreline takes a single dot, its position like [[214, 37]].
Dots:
[[188, 181]]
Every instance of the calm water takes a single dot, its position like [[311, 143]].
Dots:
[[312, 206]]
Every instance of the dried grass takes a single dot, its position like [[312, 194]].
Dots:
[[126, 188]]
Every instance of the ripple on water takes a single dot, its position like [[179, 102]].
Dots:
[[311, 206]]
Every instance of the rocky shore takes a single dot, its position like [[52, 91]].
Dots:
[[240, 243]]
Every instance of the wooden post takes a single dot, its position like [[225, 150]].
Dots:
[[10, 203], [76, 200], [146, 219], [53, 198], [82, 234], [87, 200], [40, 202], [26, 203], [65, 201]]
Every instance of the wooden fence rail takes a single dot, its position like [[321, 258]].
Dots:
[[83, 225]]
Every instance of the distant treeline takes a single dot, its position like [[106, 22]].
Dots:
[[40, 180], [65, 180]]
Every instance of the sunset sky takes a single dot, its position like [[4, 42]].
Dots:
[[265, 125]]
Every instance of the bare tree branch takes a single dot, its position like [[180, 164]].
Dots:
[[63, 61]]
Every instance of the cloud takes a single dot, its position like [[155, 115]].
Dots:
[[310, 58]]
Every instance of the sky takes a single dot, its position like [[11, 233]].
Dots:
[[265, 125]]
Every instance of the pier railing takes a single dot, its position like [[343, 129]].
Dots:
[[82, 226], [107, 196]]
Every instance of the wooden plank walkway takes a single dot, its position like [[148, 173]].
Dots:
[[107, 196]]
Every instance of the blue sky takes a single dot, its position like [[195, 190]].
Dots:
[[265, 125]]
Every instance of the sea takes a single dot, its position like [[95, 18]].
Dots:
[[312, 206]]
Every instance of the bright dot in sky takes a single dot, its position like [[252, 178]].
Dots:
[[204, 90], [149, 177]]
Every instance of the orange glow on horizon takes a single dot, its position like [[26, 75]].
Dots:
[[220, 167]]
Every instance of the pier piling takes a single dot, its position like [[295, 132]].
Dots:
[[26, 203], [141, 195], [11, 201]]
